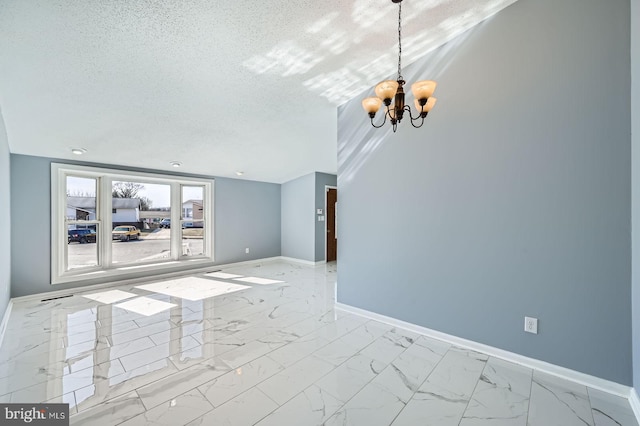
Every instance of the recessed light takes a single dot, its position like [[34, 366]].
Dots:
[[175, 164], [239, 173], [78, 151]]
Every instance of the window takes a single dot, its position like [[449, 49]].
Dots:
[[114, 223], [81, 222], [193, 227]]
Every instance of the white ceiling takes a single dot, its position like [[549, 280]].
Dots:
[[220, 86]]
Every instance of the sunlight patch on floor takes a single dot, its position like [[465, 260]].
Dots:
[[111, 296], [145, 306], [255, 280], [222, 275], [192, 288]]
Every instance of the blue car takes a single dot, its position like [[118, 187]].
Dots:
[[82, 236]]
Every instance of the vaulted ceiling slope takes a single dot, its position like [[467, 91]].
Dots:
[[220, 86]]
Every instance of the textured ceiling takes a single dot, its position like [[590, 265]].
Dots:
[[220, 86]]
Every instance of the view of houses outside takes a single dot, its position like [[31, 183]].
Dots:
[[133, 204], [193, 224]]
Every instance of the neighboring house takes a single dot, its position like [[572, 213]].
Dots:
[[124, 210], [192, 209], [153, 217], [81, 208]]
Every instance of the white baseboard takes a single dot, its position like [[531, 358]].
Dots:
[[635, 403], [304, 262], [246, 262], [93, 287], [555, 370], [5, 321]]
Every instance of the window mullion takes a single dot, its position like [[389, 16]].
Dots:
[[59, 227], [104, 201], [208, 219], [176, 220]]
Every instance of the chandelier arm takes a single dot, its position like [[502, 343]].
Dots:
[[381, 124], [421, 123], [408, 109]]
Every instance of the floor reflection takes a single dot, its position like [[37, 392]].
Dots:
[[90, 349], [273, 352]]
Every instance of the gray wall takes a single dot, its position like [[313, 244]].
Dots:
[[635, 147], [303, 237], [513, 200], [247, 214], [5, 217], [298, 216], [322, 180]]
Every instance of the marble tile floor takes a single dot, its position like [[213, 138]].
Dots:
[[263, 345]]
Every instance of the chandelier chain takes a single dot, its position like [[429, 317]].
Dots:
[[399, 41]]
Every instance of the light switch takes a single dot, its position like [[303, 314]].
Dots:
[[319, 211], [320, 218]]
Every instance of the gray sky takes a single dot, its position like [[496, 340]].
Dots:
[[158, 194]]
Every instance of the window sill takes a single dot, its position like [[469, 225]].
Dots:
[[133, 271]]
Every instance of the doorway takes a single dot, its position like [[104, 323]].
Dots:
[[331, 205]]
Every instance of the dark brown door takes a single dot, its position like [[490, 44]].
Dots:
[[332, 241]]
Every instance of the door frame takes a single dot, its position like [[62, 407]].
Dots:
[[326, 191]]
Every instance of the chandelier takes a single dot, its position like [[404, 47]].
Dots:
[[389, 91]]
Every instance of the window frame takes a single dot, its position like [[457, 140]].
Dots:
[[105, 269]]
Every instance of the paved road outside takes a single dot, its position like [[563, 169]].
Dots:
[[143, 250]]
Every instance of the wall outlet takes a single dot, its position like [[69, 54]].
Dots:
[[246, 250], [531, 325]]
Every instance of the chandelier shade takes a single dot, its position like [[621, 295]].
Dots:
[[423, 89], [371, 105], [391, 93], [387, 89], [426, 107]]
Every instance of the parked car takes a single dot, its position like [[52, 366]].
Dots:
[[82, 236], [192, 225], [125, 233], [166, 223]]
